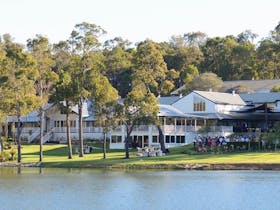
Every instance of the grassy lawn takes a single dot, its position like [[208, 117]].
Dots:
[[56, 156]]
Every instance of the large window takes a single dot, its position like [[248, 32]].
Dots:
[[180, 139], [198, 104], [116, 139]]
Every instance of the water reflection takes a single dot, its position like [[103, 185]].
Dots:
[[36, 188]]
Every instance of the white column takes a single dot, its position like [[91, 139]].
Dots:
[[150, 134]]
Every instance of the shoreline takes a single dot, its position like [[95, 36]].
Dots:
[[191, 166]]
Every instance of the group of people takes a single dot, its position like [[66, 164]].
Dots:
[[202, 143]]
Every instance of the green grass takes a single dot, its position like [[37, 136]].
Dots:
[[56, 156]]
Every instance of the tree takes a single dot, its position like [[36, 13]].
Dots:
[[84, 43], [207, 81], [3, 109], [40, 49], [218, 55], [268, 54], [195, 38], [149, 67], [275, 88], [139, 107], [118, 64], [105, 106], [241, 89], [64, 88], [18, 82], [150, 71], [182, 53]]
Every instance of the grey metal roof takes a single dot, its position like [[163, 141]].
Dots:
[[221, 98], [168, 100], [170, 111], [260, 97], [251, 85], [178, 90], [24, 119]]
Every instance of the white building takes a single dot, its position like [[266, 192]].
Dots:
[[182, 117]]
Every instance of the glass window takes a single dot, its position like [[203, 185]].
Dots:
[[183, 139], [146, 141], [167, 139], [116, 139], [155, 139], [178, 139], [198, 104], [172, 139]]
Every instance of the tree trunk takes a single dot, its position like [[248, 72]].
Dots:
[[104, 146], [68, 132], [161, 139], [126, 148], [127, 139], [5, 134], [42, 113], [2, 145], [80, 107], [19, 139]]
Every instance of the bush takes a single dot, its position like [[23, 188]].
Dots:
[[5, 156]]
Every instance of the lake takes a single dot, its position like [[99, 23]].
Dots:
[[60, 189]]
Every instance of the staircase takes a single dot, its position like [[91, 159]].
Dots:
[[48, 136], [34, 135]]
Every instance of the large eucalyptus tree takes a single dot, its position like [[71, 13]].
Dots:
[[87, 57], [40, 49], [18, 82]]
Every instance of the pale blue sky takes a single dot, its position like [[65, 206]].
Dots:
[[137, 20]]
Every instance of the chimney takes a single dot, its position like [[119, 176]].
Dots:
[[181, 95], [233, 92]]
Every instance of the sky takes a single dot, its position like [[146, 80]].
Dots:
[[137, 20]]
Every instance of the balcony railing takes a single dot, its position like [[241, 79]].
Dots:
[[76, 130]]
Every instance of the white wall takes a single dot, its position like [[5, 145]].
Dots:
[[185, 104], [226, 108], [277, 106]]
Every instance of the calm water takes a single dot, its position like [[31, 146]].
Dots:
[[98, 189]]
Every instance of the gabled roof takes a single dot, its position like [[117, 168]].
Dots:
[[221, 98], [168, 100], [260, 97], [170, 111]]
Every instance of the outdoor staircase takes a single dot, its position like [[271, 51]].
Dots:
[[34, 135], [48, 136]]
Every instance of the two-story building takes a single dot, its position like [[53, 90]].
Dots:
[[182, 117]]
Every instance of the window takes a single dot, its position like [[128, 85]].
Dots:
[[198, 104], [116, 139], [155, 139], [167, 139], [170, 121], [146, 141], [172, 139], [72, 123], [180, 139], [183, 139]]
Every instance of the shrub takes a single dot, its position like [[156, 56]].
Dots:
[[5, 156]]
